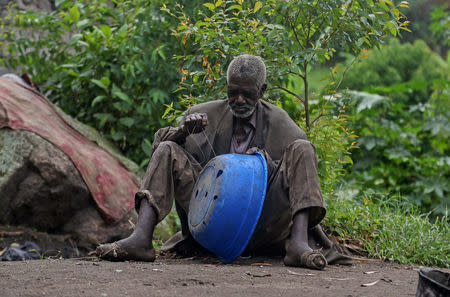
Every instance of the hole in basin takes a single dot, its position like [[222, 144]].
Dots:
[[219, 173], [215, 197], [196, 193], [206, 194]]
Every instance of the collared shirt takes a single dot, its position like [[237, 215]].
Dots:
[[243, 132]]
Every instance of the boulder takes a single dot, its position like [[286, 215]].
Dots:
[[42, 189]]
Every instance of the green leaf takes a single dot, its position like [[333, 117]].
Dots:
[[118, 136], [106, 81], [104, 117], [116, 92], [127, 121], [236, 6], [75, 38], [147, 146], [123, 30], [258, 6], [97, 99], [99, 83], [122, 96], [392, 28], [74, 14], [73, 73], [82, 23], [211, 6], [107, 31]]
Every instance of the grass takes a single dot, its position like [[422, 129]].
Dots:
[[391, 228]]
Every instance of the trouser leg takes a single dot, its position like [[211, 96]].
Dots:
[[171, 173], [293, 186]]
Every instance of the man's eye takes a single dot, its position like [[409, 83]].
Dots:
[[248, 94], [233, 92]]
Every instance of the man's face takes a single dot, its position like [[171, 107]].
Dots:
[[243, 96]]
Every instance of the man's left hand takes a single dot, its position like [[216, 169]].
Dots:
[[271, 165]]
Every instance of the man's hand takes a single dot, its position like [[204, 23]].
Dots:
[[194, 123], [271, 165], [253, 150]]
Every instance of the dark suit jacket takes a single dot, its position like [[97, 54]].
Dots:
[[275, 130]]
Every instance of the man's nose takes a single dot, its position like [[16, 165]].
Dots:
[[240, 99]]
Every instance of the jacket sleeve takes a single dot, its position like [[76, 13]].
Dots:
[[168, 134]]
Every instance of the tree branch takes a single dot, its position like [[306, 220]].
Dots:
[[317, 118], [295, 73], [289, 92], [345, 71]]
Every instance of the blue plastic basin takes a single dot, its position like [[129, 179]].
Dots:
[[227, 202]]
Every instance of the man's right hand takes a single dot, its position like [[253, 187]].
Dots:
[[194, 123]]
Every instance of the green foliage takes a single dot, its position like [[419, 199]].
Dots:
[[440, 25], [167, 227], [403, 143], [105, 64], [431, 23], [291, 37], [391, 228]]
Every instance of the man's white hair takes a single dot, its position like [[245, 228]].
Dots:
[[247, 67]]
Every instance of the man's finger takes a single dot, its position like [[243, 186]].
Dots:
[[204, 119], [251, 151]]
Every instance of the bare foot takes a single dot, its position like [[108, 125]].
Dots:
[[131, 248], [138, 246], [304, 256]]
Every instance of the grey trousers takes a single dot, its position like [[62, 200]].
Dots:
[[293, 186]]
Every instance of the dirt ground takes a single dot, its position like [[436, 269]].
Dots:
[[203, 277]]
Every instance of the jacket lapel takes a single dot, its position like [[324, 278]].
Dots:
[[224, 131], [261, 128]]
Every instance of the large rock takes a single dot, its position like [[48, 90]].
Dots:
[[41, 188], [39, 185]]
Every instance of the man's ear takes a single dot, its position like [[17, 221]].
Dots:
[[262, 90]]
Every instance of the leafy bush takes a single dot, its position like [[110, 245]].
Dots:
[[404, 131], [107, 65]]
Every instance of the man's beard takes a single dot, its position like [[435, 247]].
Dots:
[[242, 111]]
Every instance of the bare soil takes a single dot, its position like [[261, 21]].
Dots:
[[260, 277]]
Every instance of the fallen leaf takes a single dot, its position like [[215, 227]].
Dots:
[[370, 272], [300, 274], [260, 264], [370, 284], [258, 275]]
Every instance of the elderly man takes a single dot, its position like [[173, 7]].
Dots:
[[243, 123]]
